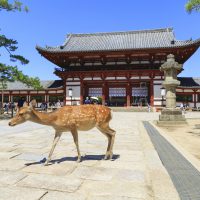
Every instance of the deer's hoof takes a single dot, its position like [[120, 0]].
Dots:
[[46, 163], [78, 160], [105, 157]]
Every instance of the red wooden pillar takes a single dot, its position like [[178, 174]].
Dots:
[[195, 98], [28, 97], [81, 92], [128, 95], [103, 93], [65, 88], [151, 93]]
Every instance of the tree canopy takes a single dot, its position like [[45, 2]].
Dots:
[[8, 72], [192, 5], [16, 5]]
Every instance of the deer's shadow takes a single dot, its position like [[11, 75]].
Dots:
[[65, 159]]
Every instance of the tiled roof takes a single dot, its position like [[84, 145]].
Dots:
[[184, 82], [45, 84], [189, 82], [114, 41]]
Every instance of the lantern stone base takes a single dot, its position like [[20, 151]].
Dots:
[[171, 117]]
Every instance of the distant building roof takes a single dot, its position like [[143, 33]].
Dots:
[[114, 41], [45, 84], [56, 84], [189, 82]]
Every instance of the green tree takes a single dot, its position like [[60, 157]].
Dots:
[[8, 72], [192, 5]]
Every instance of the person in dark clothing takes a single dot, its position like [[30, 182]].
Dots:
[[87, 101], [20, 103]]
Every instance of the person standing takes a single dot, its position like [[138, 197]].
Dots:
[[6, 107], [20, 103], [58, 104], [87, 101]]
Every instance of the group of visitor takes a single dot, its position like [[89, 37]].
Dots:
[[8, 106], [55, 105], [183, 107], [44, 106], [91, 101]]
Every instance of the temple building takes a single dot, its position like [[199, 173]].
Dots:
[[52, 91], [188, 92], [120, 68]]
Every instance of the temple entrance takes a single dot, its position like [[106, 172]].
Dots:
[[95, 95], [117, 97], [140, 96]]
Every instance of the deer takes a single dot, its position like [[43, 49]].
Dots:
[[70, 119]]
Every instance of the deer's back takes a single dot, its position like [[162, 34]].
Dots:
[[83, 117]]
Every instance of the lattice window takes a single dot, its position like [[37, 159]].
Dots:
[[117, 92], [95, 92], [143, 84], [139, 92]]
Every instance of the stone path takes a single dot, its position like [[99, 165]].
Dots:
[[130, 175], [185, 177]]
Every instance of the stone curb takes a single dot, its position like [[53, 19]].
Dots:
[[194, 161], [159, 179]]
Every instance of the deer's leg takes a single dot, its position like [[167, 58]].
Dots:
[[108, 147], [106, 130], [109, 142], [112, 134], [55, 141], [75, 137]]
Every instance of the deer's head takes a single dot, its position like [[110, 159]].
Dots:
[[22, 116]]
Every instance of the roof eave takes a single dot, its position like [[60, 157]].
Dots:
[[41, 49]]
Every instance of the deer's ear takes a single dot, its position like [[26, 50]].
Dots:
[[25, 104], [33, 103]]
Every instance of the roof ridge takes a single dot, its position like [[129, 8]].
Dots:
[[67, 39], [169, 29]]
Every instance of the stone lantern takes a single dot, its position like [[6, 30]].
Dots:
[[171, 114]]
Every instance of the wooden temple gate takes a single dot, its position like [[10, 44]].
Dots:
[[119, 67]]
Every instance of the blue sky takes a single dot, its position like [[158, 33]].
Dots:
[[48, 22]]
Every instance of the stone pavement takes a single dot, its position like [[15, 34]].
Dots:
[[136, 171], [184, 175]]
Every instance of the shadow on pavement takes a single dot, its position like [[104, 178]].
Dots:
[[64, 159]]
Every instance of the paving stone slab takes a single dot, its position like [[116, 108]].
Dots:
[[10, 177], [18, 193], [31, 150], [7, 145], [89, 163], [63, 196], [8, 155], [12, 165], [127, 147], [94, 173], [8, 149], [33, 146], [60, 169], [138, 156], [121, 188], [122, 165], [136, 176], [112, 197], [49, 182], [29, 157]]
